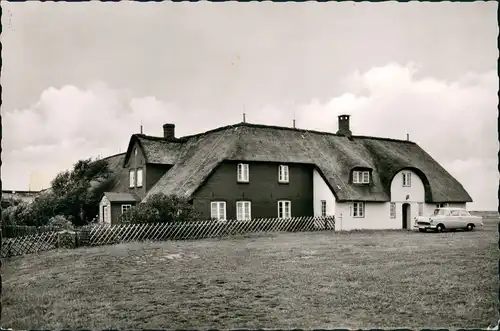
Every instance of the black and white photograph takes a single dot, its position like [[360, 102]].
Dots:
[[249, 165]]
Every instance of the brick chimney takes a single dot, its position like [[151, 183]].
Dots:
[[169, 131], [344, 129]]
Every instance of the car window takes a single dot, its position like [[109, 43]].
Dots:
[[455, 213], [464, 213], [442, 212]]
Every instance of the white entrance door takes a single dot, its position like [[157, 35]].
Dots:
[[106, 215]]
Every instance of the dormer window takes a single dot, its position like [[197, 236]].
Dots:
[[361, 177]]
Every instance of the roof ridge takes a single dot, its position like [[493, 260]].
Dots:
[[264, 126], [221, 128], [148, 137], [108, 157]]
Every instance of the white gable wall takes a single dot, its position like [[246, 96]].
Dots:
[[399, 192], [457, 205], [321, 191], [105, 218], [413, 195]]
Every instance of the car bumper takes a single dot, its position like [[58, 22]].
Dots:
[[425, 226]]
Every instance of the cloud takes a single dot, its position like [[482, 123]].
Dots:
[[68, 124], [452, 120]]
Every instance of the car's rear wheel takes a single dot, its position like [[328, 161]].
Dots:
[[421, 230], [440, 228], [470, 227]]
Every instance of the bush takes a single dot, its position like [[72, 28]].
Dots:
[[17, 215], [60, 222], [66, 239], [160, 208]]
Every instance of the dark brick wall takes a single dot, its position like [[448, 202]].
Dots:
[[263, 190], [116, 211]]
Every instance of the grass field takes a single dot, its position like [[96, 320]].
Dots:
[[367, 279]]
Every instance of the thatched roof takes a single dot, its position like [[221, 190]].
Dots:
[[115, 164], [334, 156], [156, 150]]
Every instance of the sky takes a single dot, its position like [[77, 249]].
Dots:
[[78, 79]]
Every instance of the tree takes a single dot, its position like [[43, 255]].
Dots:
[[79, 191], [6, 203], [16, 215], [161, 208], [74, 194], [40, 211]]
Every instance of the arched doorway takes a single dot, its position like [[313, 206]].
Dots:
[[406, 215]]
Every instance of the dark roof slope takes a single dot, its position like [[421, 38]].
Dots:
[[115, 164], [333, 155], [121, 197]]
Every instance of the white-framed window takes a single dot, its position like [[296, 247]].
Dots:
[[243, 175], [284, 209], [218, 210], [283, 174], [131, 175], [406, 179], [420, 209], [323, 208], [243, 210], [139, 177], [126, 208], [358, 209], [393, 210], [441, 205], [361, 177]]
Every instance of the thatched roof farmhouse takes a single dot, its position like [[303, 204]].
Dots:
[[270, 171]]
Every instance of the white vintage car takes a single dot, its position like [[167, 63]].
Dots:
[[448, 219]]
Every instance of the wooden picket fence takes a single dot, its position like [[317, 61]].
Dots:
[[103, 234], [33, 243]]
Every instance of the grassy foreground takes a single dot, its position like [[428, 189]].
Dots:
[[306, 280]]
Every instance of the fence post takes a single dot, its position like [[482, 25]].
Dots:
[[1, 223], [76, 239]]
